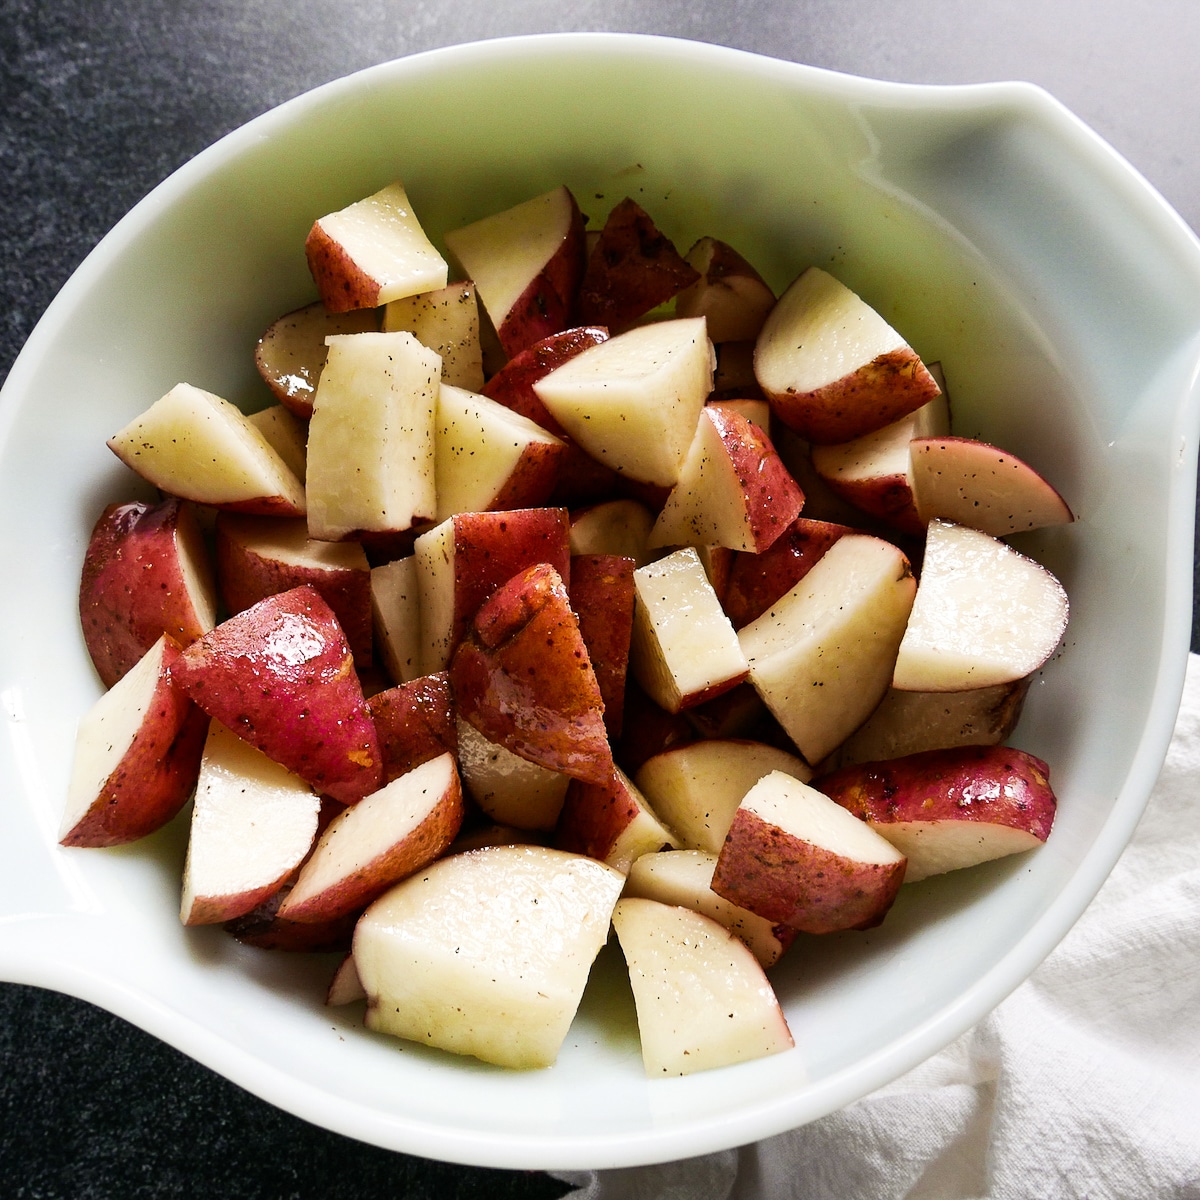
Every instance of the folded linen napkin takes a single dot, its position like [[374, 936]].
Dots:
[[1084, 1083]]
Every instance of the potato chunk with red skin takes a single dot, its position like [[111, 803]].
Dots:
[[602, 596], [581, 478], [952, 808], [258, 557], [415, 722], [137, 756], [281, 676], [145, 573], [523, 678], [633, 268], [756, 581], [792, 857], [526, 263]]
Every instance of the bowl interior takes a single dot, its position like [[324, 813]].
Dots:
[[997, 234]]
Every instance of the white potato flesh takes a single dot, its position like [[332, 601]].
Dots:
[[632, 402], [707, 506], [702, 998], [792, 806], [613, 527], [371, 437], [503, 253], [383, 238], [447, 321], [196, 568], [286, 434], [510, 789], [819, 332], [934, 847], [345, 987], [821, 657], [478, 449], [354, 839], [908, 722], [107, 731], [884, 452], [433, 562], [683, 644], [194, 444], [486, 953], [697, 788], [396, 617], [645, 834], [972, 483], [684, 877], [252, 824], [984, 614]]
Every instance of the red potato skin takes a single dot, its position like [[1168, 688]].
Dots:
[[535, 477], [490, 548], [773, 499], [990, 784], [155, 776], [282, 677], [602, 595], [264, 929], [262, 506], [633, 268], [594, 815], [523, 678], [351, 894], [342, 284], [245, 576], [132, 589], [793, 883], [708, 694], [648, 729], [580, 477], [756, 581], [886, 497], [512, 385], [385, 546], [882, 391], [415, 723], [546, 305], [219, 909]]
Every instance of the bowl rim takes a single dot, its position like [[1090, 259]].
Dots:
[[753, 1121]]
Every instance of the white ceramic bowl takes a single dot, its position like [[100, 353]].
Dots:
[[992, 228]]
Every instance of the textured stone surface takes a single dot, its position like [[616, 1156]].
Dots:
[[91, 1108]]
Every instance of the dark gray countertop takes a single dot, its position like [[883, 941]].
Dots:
[[100, 101]]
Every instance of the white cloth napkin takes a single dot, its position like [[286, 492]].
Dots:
[[1084, 1083]]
